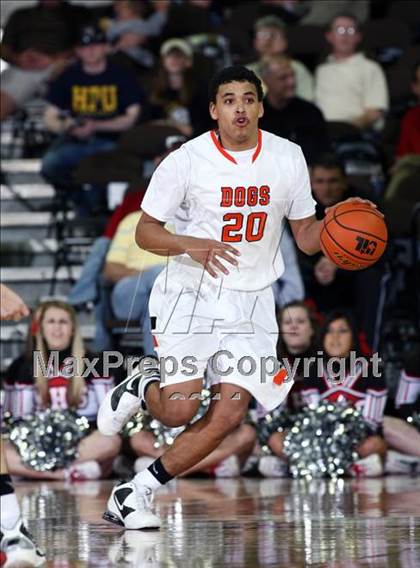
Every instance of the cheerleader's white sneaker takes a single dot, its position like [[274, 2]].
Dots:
[[371, 466]]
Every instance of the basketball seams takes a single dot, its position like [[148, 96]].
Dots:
[[346, 251], [327, 253], [335, 218]]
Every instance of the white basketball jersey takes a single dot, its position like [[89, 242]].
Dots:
[[208, 193]]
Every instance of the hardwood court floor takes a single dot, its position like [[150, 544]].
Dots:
[[234, 523]]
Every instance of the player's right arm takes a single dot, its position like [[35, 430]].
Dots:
[[151, 235]]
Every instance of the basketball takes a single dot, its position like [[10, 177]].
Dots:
[[353, 235]]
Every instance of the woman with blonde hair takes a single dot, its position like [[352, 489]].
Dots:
[[59, 376]]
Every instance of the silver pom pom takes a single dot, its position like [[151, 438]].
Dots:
[[323, 440], [414, 420], [276, 421], [48, 440], [138, 422]]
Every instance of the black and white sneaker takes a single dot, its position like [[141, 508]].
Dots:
[[19, 548], [131, 507], [127, 398]]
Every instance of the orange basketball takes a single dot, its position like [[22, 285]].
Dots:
[[353, 236]]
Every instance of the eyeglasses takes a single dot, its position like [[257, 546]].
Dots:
[[341, 30]]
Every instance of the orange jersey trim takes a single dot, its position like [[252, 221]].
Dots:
[[226, 154]]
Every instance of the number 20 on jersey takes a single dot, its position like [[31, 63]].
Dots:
[[254, 223]]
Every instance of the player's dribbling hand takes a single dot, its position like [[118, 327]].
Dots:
[[354, 200], [208, 252]]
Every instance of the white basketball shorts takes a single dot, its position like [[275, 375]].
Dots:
[[229, 335]]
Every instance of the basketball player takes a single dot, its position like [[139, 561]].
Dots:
[[16, 544], [229, 191]]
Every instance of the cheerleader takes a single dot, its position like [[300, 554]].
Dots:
[[357, 386], [402, 432], [31, 388]]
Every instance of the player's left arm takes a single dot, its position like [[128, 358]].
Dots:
[[306, 231]]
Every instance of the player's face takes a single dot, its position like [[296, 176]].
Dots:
[[280, 80], [237, 111], [338, 339], [296, 329], [328, 185], [57, 328], [344, 37], [270, 41]]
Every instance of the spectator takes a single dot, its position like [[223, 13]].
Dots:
[[176, 99], [401, 196], [37, 42], [349, 87], [358, 386], [29, 390], [86, 289], [409, 140], [130, 31], [297, 340], [89, 287], [288, 115], [132, 273], [271, 39], [90, 104], [330, 184], [402, 437], [326, 284]]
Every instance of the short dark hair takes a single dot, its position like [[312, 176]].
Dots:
[[329, 162], [234, 73], [347, 315]]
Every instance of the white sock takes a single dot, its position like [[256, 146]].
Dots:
[[10, 511], [145, 478]]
